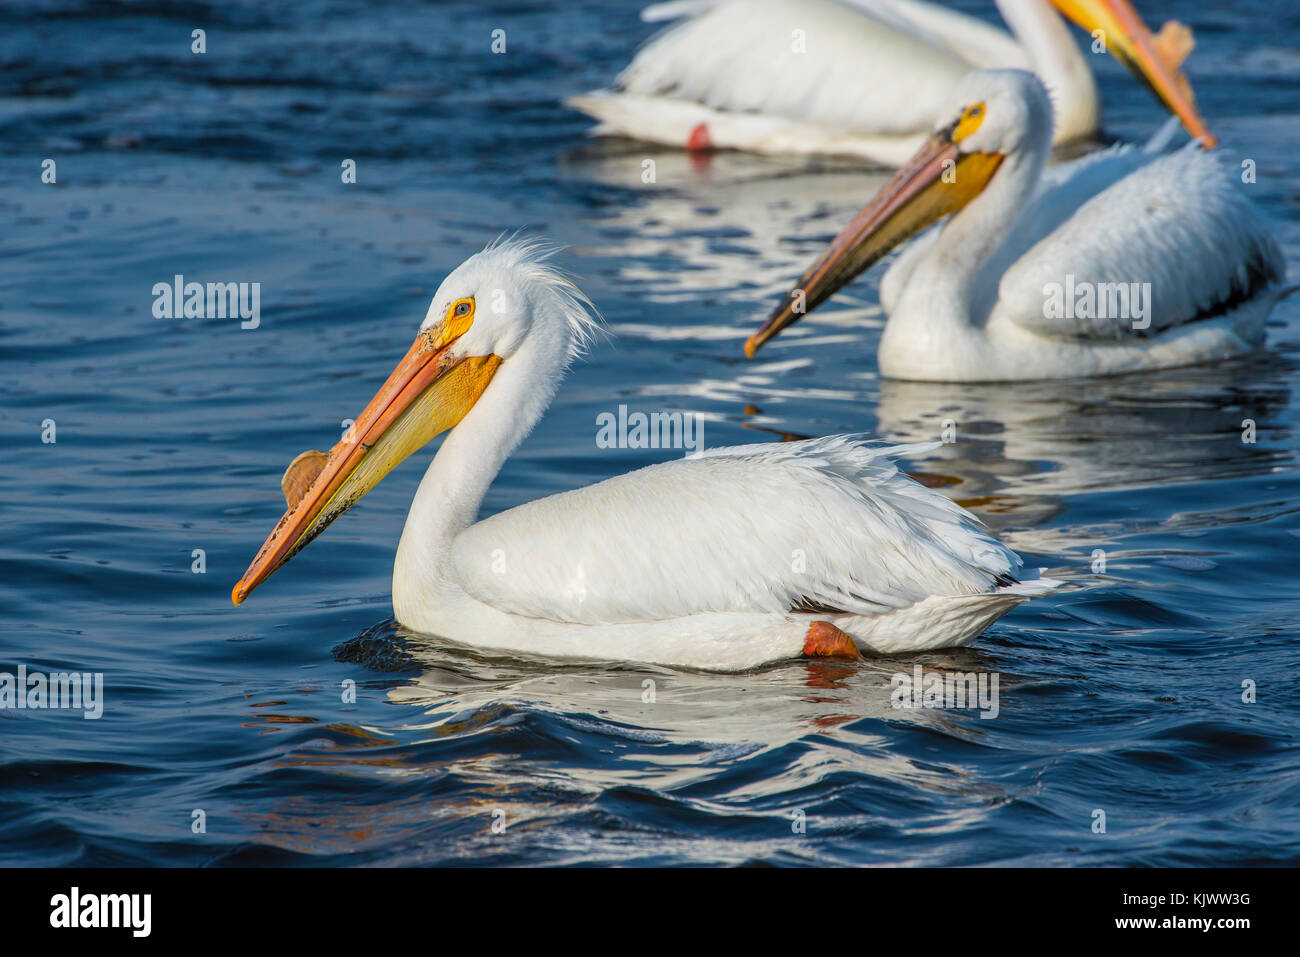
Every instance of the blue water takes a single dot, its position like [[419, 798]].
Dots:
[[1122, 693]]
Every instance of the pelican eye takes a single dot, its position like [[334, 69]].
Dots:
[[457, 320], [970, 121]]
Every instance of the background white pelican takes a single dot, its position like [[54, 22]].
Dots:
[[978, 299], [725, 561], [870, 75]]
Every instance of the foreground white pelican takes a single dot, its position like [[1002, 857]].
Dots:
[[725, 561], [866, 77], [1122, 261]]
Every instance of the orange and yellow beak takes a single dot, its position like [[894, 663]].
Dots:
[[938, 180], [429, 392], [1154, 59]]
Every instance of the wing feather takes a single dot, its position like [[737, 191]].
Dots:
[[856, 71], [823, 524], [1177, 222]]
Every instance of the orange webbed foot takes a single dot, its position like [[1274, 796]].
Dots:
[[824, 640]]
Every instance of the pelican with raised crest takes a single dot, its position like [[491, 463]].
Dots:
[[866, 77], [724, 561], [1126, 260]]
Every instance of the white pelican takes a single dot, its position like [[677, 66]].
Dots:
[[1122, 261], [724, 561], [866, 79]]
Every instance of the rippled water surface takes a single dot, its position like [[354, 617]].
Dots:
[[1123, 693]]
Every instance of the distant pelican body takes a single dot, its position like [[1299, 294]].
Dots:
[[1123, 261], [724, 561], [866, 77]]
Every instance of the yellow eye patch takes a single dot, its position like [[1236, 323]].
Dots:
[[970, 121], [460, 316]]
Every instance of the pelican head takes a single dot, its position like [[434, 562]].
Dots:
[[990, 114], [498, 306], [1154, 59]]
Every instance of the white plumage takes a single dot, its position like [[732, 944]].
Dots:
[[828, 522], [1177, 222], [721, 561], [972, 299], [817, 76]]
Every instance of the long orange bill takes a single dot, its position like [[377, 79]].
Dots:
[[428, 393], [1154, 59], [938, 180]]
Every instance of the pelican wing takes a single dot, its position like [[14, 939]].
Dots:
[[967, 38], [1175, 237], [811, 61], [818, 526]]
